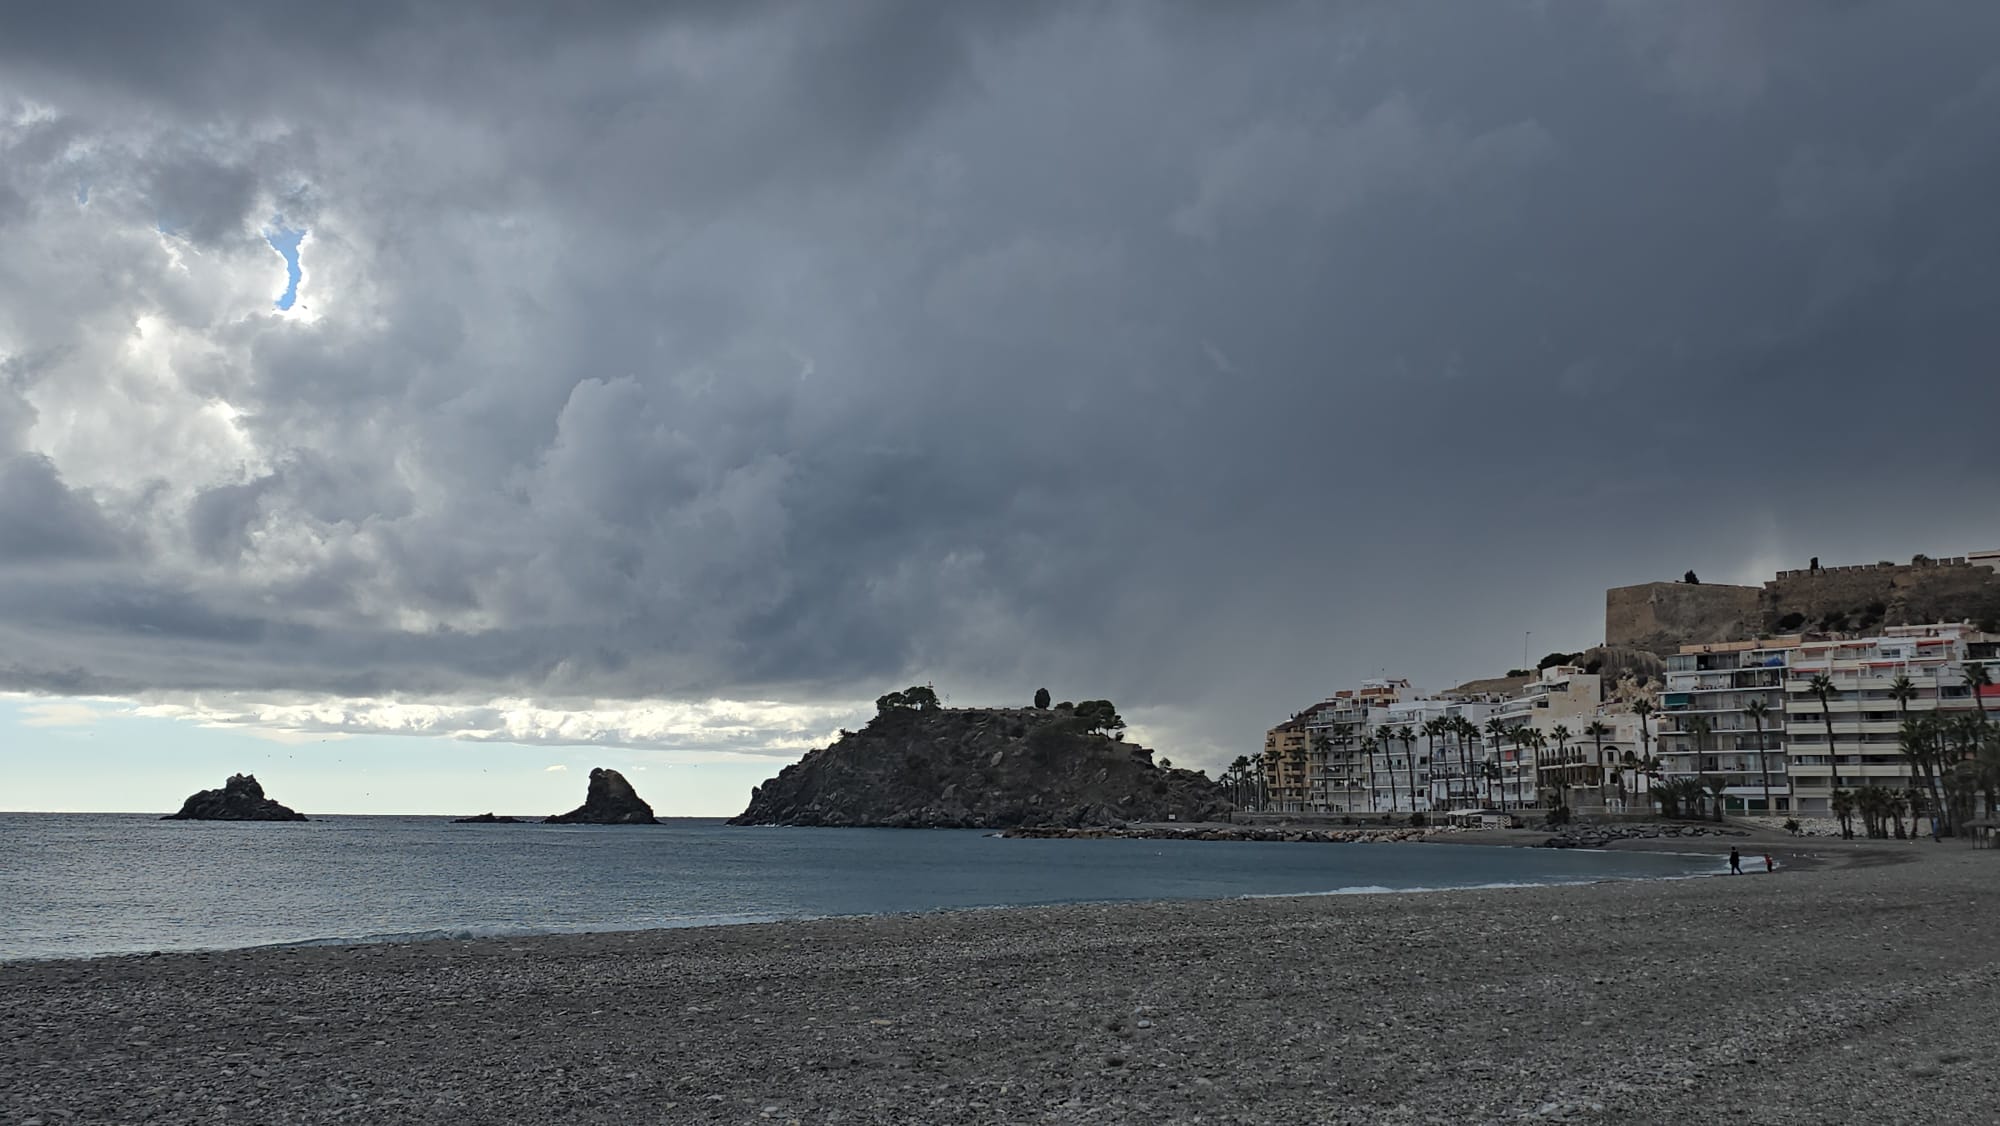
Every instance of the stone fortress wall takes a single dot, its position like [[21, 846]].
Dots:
[[1662, 617], [1924, 590]]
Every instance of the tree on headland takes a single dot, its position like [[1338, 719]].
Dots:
[[920, 698], [1098, 716], [1042, 699]]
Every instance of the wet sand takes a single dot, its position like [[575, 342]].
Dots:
[[1863, 989]]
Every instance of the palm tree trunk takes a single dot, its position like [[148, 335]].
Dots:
[[1371, 787], [1763, 764], [1390, 768], [1410, 763]]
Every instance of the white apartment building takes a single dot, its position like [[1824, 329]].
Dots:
[[1712, 687], [1341, 777], [1447, 772], [1864, 745], [1559, 696]]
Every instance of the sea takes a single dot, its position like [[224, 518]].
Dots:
[[78, 885]]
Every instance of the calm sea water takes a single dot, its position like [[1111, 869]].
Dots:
[[87, 884]]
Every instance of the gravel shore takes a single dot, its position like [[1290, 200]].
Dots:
[[1843, 992]]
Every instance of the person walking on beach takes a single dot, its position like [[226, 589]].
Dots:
[[1769, 866], [1735, 863]]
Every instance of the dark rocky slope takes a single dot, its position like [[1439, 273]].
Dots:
[[980, 768], [611, 800], [240, 799]]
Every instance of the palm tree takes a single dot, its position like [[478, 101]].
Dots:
[[1643, 707], [1496, 733], [1468, 742], [1303, 763], [1757, 709], [1430, 730], [1715, 784], [1822, 687], [1918, 738], [1597, 731], [1976, 749], [1389, 768], [1903, 691], [1560, 733], [1373, 807], [1241, 769], [1977, 678], [1842, 804], [1699, 729], [1626, 762], [1369, 747], [1408, 738]]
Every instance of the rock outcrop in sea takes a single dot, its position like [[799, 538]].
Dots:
[[611, 800], [240, 799], [485, 819], [981, 768]]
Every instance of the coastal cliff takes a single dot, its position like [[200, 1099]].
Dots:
[[610, 800], [241, 798], [981, 768]]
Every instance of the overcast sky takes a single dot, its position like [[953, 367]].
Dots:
[[671, 380]]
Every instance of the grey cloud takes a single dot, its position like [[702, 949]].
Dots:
[[43, 521], [1202, 360]]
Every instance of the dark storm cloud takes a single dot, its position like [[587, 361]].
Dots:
[[1206, 358]]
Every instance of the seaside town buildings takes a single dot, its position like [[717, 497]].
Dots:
[[1762, 725]]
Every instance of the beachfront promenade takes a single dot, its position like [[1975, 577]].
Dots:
[[1846, 992]]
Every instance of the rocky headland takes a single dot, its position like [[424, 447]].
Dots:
[[240, 799], [610, 800], [925, 766]]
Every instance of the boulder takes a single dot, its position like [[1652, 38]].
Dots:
[[611, 800], [239, 799]]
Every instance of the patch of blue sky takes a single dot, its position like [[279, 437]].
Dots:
[[285, 240], [83, 195]]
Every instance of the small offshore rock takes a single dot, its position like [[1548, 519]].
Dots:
[[241, 798], [610, 800]]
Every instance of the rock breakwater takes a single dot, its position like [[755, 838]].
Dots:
[[1598, 836], [1215, 833]]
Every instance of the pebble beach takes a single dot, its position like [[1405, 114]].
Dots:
[[1856, 984]]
